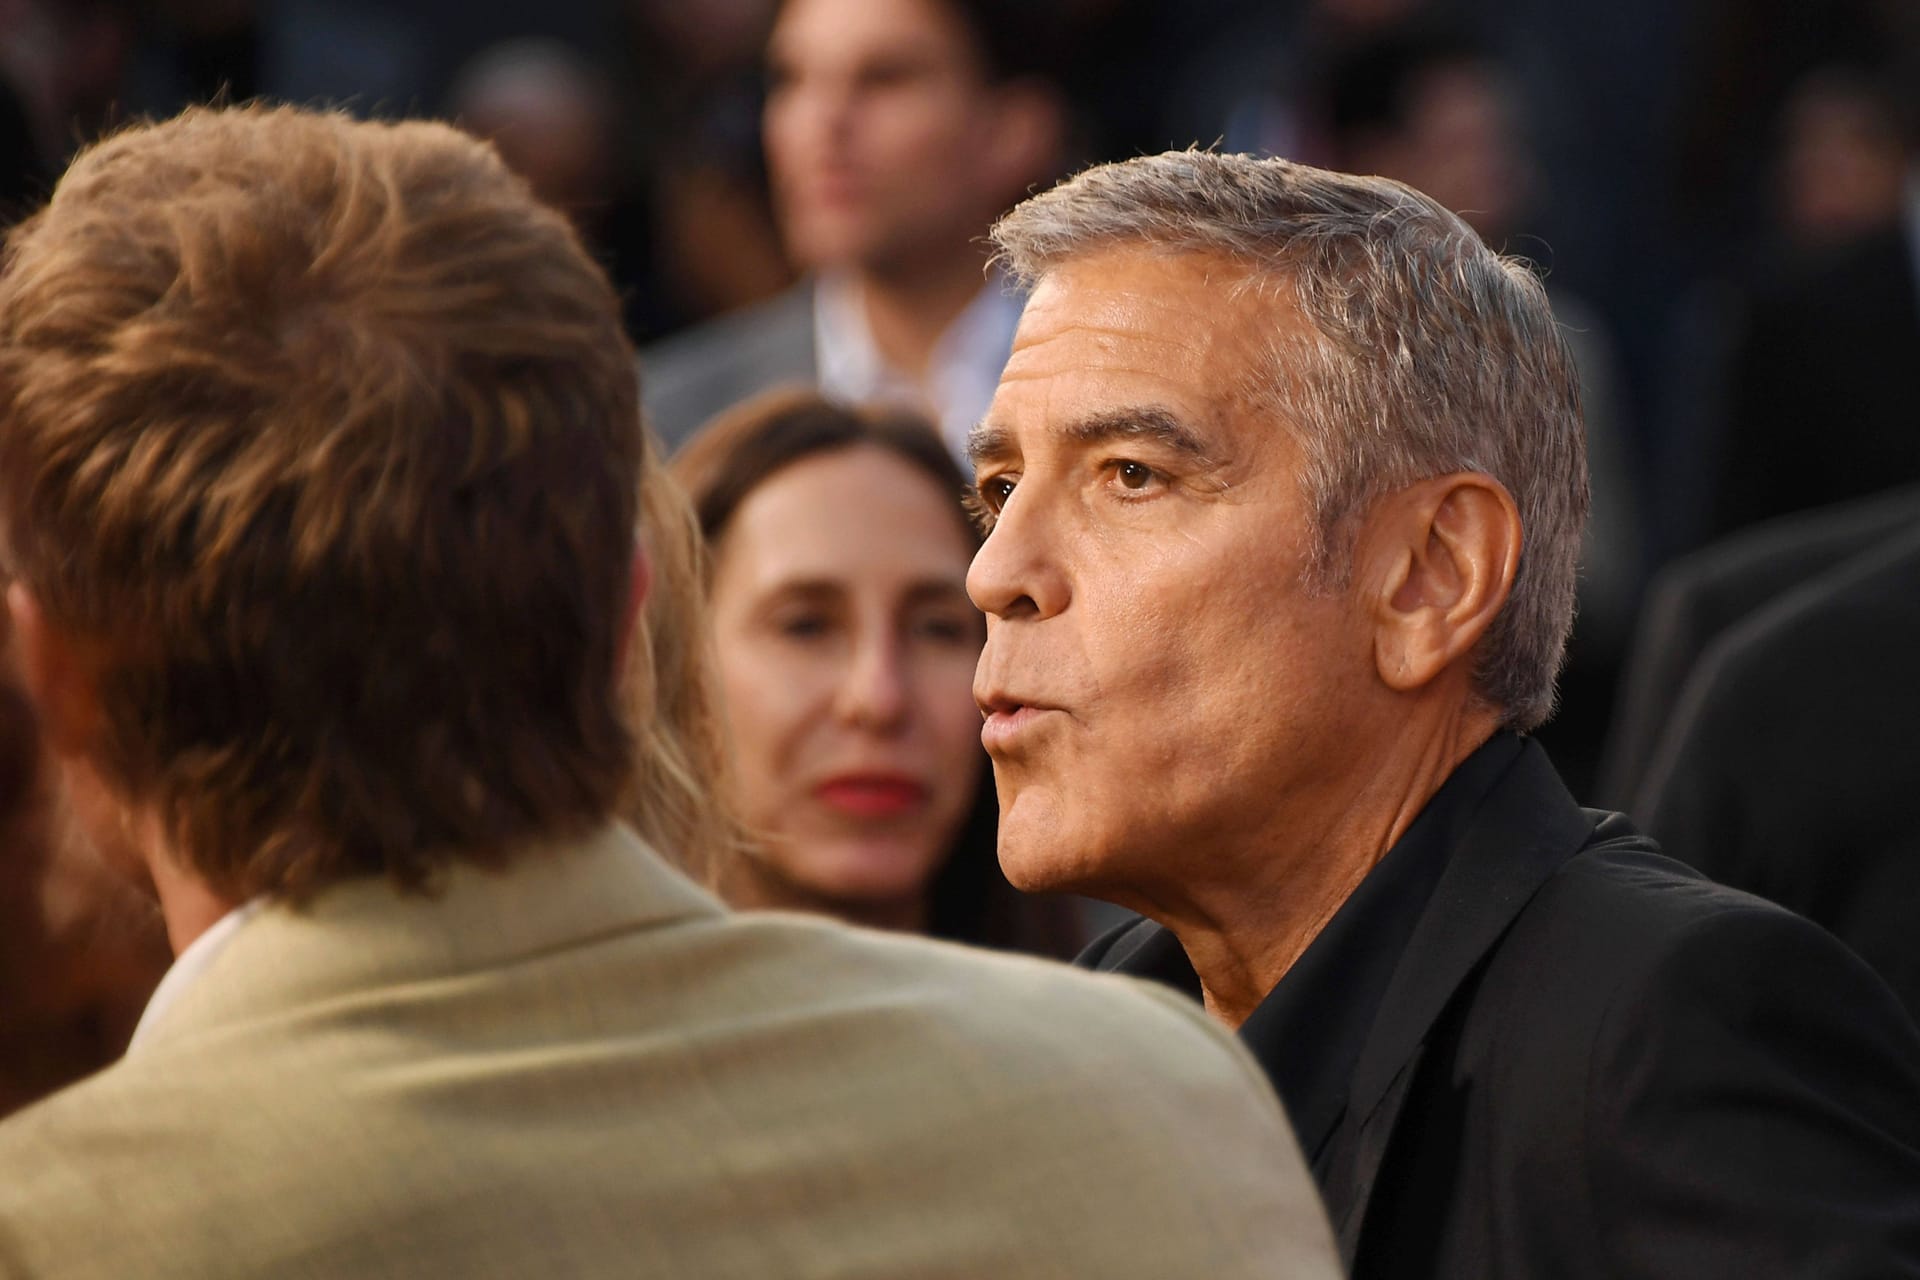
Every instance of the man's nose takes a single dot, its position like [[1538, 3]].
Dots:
[[1018, 571], [831, 109], [874, 692]]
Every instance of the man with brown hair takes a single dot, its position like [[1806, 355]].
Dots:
[[895, 131], [318, 453]]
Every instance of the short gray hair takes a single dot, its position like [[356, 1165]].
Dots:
[[1429, 354]]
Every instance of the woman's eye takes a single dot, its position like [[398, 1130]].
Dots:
[[801, 626], [949, 629]]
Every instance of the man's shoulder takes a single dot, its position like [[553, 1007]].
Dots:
[[1035, 1012], [688, 378], [938, 1090], [1623, 934], [1623, 899], [1852, 628]]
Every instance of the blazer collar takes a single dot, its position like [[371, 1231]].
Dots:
[[1527, 826], [1525, 829], [365, 934]]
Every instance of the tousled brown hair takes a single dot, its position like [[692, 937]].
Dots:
[[321, 439]]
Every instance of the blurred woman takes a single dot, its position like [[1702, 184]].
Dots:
[[846, 647]]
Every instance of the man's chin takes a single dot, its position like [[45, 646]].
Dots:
[[1042, 852]]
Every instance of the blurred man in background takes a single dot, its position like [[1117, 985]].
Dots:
[[896, 131]]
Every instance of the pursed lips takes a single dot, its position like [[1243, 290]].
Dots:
[[1008, 717]]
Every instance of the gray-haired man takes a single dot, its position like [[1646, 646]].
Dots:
[[1286, 484]]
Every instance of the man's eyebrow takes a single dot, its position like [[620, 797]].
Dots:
[[988, 443], [1152, 423]]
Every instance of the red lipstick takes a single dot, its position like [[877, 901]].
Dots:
[[872, 795]]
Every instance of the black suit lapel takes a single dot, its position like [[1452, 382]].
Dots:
[[1524, 830]]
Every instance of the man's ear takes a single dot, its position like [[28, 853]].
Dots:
[[58, 679], [1442, 554], [639, 586]]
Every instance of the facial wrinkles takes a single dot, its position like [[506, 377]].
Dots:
[[1165, 605]]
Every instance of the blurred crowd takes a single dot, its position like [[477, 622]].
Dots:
[[1716, 204], [1721, 194]]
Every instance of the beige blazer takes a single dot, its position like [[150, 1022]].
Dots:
[[588, 1067]]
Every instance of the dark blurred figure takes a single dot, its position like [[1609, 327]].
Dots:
[[1842, 169], [693, 88], [1744, 59], [62, 64], [846, 648], [1789, 766], [1698, 598], [896, 130], [554, 117], [1822, 393], [1435, 109]]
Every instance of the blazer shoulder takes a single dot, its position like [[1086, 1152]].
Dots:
[[1620, 904], [1723, 1083], [1130, 1092], [1033, 1030]]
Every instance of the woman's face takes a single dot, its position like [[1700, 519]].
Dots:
[[846, 649]]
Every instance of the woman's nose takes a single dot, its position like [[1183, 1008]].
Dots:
[[874, 690]]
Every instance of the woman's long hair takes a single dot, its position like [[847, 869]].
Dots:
[[679, 796]]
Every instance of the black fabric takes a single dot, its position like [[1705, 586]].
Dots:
[[1591, 1061], [1791, 767], [1699, 598], [1331, 994]]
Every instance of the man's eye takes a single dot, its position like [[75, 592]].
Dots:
[[1136, 478], [995, 490]]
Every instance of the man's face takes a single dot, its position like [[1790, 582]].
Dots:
[[1163, 694], [875, 124]]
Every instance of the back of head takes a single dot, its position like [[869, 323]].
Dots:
[[320, 440], [1427, 353]]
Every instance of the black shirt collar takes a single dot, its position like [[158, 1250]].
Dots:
[[1310, 1029]]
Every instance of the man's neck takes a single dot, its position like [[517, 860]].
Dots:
[[188, 905], [1242, 932], [908, 309]]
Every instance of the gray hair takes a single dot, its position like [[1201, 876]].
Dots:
[[1429, 354]]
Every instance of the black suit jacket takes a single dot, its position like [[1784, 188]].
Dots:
[[1591, 1061], [1791, 766], [1700, 597]]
